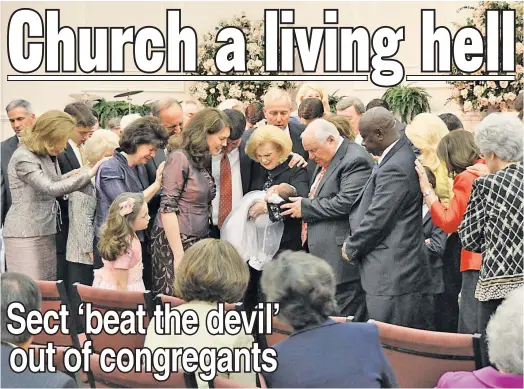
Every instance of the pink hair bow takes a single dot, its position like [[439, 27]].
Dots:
[[126, 207]]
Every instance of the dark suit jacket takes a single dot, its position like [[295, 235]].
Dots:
[[8, 147], [27, 379], [327, 214], [115, 177], [332, 355], [252, 171], [436, 248], [151, 167], [68, 162], [387, 238]]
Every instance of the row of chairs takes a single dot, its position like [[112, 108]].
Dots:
[[54, 295], [418, 357]]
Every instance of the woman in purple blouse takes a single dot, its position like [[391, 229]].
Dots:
[[505, 348], [187, 191]]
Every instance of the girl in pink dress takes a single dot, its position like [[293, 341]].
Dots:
[[119, 246]]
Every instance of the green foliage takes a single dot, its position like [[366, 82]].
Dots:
[[333, 100], [407, 101], [108, 110]]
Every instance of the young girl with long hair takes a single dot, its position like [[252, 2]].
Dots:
[[119, 245]]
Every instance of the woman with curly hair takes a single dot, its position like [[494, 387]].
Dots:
[[119, 244], [126, 172], [187, 191]]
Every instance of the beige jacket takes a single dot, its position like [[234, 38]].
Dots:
[[35, 183]]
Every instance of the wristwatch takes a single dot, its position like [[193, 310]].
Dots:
[[427, 192]]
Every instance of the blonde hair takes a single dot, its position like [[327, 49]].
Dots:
[[117, 231], [100, 141], [276, 94], [426, 131], [305, 88], [269, 134], [212, 270], [51, 130], [232, 104], [343, 125]]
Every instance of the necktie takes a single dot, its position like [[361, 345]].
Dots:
[[311, 196], [226, 191], [83, 161]]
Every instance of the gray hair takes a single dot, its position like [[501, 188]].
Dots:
[[158, 106], [355, 102], [98, 143], [303, 285], [19, 104], [113, 124], [16, 287], [276, 94], [501, 134], [322, 129], [504, 334]]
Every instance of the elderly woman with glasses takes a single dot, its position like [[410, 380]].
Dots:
[[494, 219], [316, 354]]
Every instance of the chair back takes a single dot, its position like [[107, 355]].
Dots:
[[117, 379], [419, 358], [103, 300], [222, 382], [162, 299], [53, 296], [282, 331]]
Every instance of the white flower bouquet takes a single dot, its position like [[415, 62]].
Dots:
[[212, 93], [478, 96]]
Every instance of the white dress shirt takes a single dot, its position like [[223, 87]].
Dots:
[[425, 210], [358, 140], [77, 152], [236, 181], [286, 131], [386, 151]]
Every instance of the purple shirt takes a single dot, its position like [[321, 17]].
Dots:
[[487, 377]]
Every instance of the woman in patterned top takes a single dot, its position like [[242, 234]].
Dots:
[[494, 219], [187, 191]]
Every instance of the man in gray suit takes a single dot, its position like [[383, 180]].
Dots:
[[343, 167], [386, 237], [20, 288], [20, 116]]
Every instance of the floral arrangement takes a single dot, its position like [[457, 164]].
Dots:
[[490, 95], [212, 93]]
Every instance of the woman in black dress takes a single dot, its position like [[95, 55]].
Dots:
[[271, 147]]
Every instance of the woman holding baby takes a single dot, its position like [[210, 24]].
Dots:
[[271, 148]]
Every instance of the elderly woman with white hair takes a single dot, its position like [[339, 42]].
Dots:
[[82, 205], [320, 353], [505, 342], [494, 219]]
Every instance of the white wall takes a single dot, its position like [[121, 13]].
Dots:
[[204, 16]]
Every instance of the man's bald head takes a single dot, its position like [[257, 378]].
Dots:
[[378, 130]]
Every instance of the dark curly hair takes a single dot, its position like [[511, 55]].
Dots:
[[143, 131], [254, 113], [311, 108], [193, 138]]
